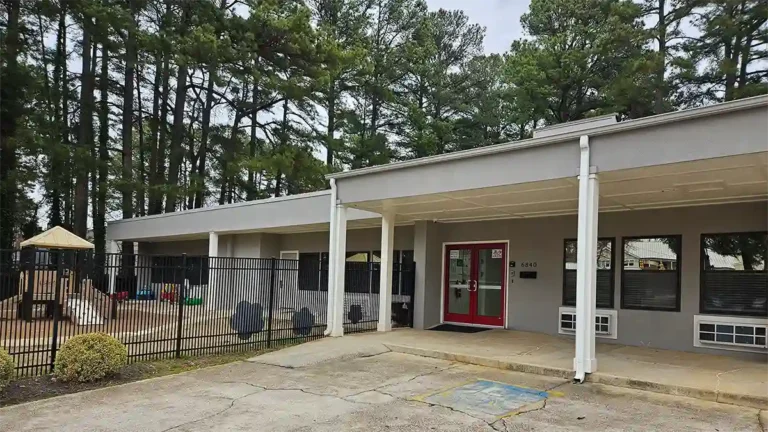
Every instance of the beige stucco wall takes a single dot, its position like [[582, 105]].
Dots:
[[532, 304]]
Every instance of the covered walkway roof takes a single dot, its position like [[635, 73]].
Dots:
[[294, 213], [709, 155], [727, 129]]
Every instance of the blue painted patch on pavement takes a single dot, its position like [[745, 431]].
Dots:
[[488, 398]]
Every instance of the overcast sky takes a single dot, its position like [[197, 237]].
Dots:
[[501, 19]]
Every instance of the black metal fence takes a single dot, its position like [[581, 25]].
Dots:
[[172, 306]]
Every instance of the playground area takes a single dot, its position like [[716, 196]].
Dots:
[[56, 288]]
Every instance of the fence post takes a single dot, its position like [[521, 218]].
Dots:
[[56, 312], [412, 290], [180, 300], [28, 294], [272, 280]]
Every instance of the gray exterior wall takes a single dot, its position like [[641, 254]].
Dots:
[[727, 134], [427, 254], [498, 169], [532, 304], [265, 245], [189, 247], [358, 240]]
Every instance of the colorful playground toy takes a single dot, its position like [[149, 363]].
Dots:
[[169, 293]]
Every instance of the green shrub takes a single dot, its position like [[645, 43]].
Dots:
[[89, 357], [6, 367]]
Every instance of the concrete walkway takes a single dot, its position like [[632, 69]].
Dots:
[[349, 384], [709, 377]]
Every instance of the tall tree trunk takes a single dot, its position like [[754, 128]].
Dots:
[[10, 103], [199, 184], [331, 132], [85, 136], [228, 156], [65, 132], [252, 145], [100, 209], [142, 189], [283, 144], [56, 166], [177, 135], [158, 175], [155, 198], [660, 88], [127, 153]]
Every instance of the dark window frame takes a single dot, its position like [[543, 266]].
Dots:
[[372, 269], [678, 269], [612, 270], [169, 269], [322, 270], [703, 270]]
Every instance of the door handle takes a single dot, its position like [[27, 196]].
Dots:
[[471, 283]]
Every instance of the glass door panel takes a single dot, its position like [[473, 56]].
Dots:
[[490, 284], [458, 284]]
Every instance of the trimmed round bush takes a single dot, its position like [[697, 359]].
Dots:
[[89, 357], [6, 367]]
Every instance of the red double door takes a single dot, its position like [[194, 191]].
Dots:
[[474, 283]]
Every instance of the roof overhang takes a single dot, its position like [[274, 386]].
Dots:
[[291, 214], [727, 129]]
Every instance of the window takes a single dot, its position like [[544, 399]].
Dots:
[[731, 333], [606, 322], [361, 272], [734, 278], [169, 269], [605, 275], [357, 276], [402, 266], [364, 276], [313, 271], [650, 278]]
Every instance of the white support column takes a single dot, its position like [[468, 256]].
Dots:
[[213, 273], [586, 267], [331, 262], [339, 261], [385, 274], [113, 264]]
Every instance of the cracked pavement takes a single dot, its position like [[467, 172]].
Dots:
[[370, 392]]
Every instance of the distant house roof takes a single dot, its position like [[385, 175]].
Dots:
[[649, 248], [724, 261], [57, 238]]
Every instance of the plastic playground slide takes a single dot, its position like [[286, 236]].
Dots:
[[83, 313]]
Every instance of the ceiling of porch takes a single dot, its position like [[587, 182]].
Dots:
[[710, 181]]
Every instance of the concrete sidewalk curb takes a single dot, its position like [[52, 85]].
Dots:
[[750, 401], [482, 361]]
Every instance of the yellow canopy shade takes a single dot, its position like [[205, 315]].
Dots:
[[57, 238]]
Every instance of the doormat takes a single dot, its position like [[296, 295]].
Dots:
[[488, 400], [458, 328]]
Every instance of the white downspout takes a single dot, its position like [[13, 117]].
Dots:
[[581, 262], [331, 312]]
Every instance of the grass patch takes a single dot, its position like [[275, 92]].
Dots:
[[29, 389]]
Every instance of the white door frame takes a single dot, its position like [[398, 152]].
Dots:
[[442, 282]]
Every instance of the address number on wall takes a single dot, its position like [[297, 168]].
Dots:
[[529, 264]]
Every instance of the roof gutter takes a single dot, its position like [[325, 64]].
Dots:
[[657, 120]]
